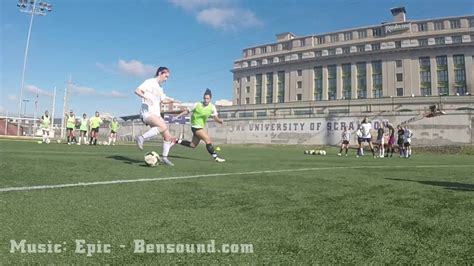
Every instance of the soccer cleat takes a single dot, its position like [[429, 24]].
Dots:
[[165, 161], [139, 142], [219, 160]]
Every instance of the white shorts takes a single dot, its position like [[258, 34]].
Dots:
[[146, 116]]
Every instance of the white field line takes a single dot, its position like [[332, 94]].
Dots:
[[111, 182]]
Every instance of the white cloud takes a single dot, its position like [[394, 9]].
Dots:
[[220, 14], [35, 90], [82, 90], [228, 18], [114, 94], [11, 97], [135, 68]]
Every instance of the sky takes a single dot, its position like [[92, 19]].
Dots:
[[109, 47]]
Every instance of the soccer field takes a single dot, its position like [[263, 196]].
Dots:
[[266, 204]]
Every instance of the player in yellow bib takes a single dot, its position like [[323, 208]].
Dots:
[[114, 126], [94, 123], [83, 128], [200, 113], [45, 124], [70, 126]]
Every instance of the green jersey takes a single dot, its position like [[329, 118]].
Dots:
[[71, 122], [95, 122], [114, 126], [45, 121], [83, 126], [201, 113]]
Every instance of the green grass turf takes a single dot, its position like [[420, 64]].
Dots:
[[397, 213]]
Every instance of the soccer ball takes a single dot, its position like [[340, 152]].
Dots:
[[322, 152], [58, 141], [47, 141], [152, 159], [306, 152]]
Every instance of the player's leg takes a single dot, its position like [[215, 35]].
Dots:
[[202, 134], [110, 137], [371, 147], [342, 147], [193, 143], [347, 148], [168, 140], [44, 135], [114, 138], [359, 148]]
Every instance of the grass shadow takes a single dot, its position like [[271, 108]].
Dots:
[[446, 185], [124, 159]]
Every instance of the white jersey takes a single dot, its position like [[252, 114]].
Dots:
[[407, 134], [346, 136], [365, 129], [154, 92]]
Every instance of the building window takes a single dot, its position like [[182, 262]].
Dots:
[[399, 92], [299, 84], [299, 97], [300, 72], [302, 42], [247, 89], [247, 100], [442, 74], [332, 85], [398, 44], [439, 25], [347, 36], [459, 75], [399, 63], [377, 78], [258, 88], [399, 77], [281, 59], [270, 60], [457, 39], [274, 48], [346, 81], [455, 23], [331, 51], [377, 32], [361, 80], [318, 83], [471, 22], [423, 27], [281, 86], [318, 53], [269, 87], [425, 76], [362, 34], [321, 40], [247, 78], [439, 40], [346, 50], [360, 48], [334, 38], [423, 42], [375, 46], [263, 49]]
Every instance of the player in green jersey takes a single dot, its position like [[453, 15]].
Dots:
[[200, 113], [114, 126]]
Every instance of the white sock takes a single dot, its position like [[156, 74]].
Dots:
[[166, 148], [150, 133], [110, 140], [113, 139]]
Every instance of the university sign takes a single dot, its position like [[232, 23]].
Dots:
[[397, 27]]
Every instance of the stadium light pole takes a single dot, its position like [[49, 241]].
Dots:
[[34, 8], [25, 102]]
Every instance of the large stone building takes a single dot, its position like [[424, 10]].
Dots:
[[402, 58]]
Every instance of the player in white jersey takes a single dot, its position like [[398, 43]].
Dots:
[[366, 136], [346, 138], [407, 135], [153, 96]]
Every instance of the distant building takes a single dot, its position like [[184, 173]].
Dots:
[[397, 59]]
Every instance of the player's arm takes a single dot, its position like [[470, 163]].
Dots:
[[218, 119], [184, 112]]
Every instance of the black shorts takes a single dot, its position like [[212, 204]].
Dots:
[[345, 142], [95, 130], [70, 128], [194, 130], [84, 131], [361, 140], [406, 144], [400, 143], [112, 132]]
